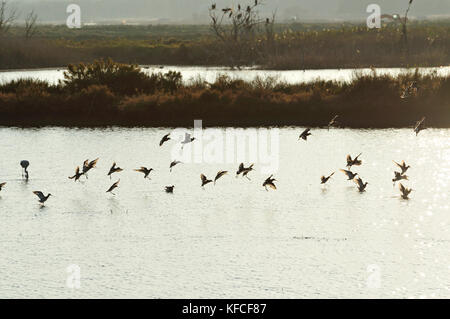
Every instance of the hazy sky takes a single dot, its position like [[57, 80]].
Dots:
[[195, 11]]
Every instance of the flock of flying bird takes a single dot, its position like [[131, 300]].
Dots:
[[242, 170]]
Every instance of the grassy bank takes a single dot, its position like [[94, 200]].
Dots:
[[106, 93], [294, 46]]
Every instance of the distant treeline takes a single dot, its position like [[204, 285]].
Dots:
[[107, 93], [292, 46]]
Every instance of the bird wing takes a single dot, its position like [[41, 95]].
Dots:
[[331, 175], [348, 173], [93, 163], [398, 164], [39, 194], [402, 188], [203, 177], [272, 185], [358, 156], [2, 184], [241, 166], [349, 159]]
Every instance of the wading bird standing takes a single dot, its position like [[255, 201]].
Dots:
[[305, 134], [402, 166], [169, 189], [398, 177], [77, 175], [219, 175], [244, 170], [25, 165], [270, 182], [2, 185], [164, 139], [114, 169], [187, 139], [361, 185], [173, 164], [353, 162], [87, 166], [404, 191], [144, 170], [42, 198], [205, 180], [113, 187], [350, 174], [420, 126], [324, 180]]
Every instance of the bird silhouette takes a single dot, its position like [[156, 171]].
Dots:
[[420, 126], [398, 177], [173, 164], [305, 134], [114, 169], [353, 162], [361, 185], [169, 189], [324, 180], [205, 180], [219, 175], [402, 166], [404, 191], [244, 170], [164, 139], [77, 175], [25, 165], [42, 198], [2, 185], [269, 182], [350, 174], [87, 166], [113, 187], [146, 171]]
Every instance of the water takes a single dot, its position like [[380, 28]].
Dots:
[[211, 73], [232, 240]]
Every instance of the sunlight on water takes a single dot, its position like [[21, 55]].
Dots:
[[231, 240]]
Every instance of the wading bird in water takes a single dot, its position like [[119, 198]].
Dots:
[[270, 182], [173, 164], [2, 185], [219, 175], [205, 180], [114, 169], [398, 177], [404, 191], [113, 187], [87, 166], [402, 166], [361, 185], [420, 126], [42, 198], [244, 170], [350, 174], [324, 180], [77, 175], [146, 171], [25, 165], [305, 134], [353, 162], [164, 139], [169, 189]]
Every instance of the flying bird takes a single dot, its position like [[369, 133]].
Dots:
[[219, 175], [350, 174], [398, 177], [402, 166], [269, 182], [353, 162], [324, 180], [164, 139], [420, 126], [169, 189], [144, 170], [77, 175], [2, 185], [361, 185], [173, 164], [25, 165], [205, 180], [114, 169], [187, 139], [404, 191], [305, 134], [87, 166], [244, 170], [113, 187], [42, 198]]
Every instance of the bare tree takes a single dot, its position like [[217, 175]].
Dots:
[[237, 29], [30, 24], [7, 16]]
